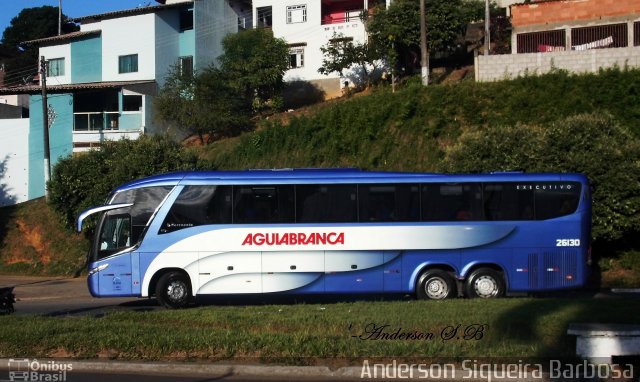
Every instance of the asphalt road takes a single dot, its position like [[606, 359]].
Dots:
[[56, 296]]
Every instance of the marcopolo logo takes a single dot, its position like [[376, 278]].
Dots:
[[33, 370]]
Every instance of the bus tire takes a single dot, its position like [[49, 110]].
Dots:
[[436, 284], [173, 290], [485, 283]]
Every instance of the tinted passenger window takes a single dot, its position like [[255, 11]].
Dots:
[[555, 199], [507, 201], [199, 205], [263, 204], [335, 203], [451, 202], [389, 202]]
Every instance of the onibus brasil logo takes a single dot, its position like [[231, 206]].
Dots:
[[32, 370]]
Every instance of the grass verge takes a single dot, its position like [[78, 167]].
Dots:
[[338, 333]]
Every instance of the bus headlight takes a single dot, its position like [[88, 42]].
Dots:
[[98, 269]]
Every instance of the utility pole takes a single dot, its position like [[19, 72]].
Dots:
[[487, 35], [59, 17], [423, 44], [45, 125]]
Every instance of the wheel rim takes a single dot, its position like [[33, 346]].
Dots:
[[436, 288], [486, 286], [176, 291]]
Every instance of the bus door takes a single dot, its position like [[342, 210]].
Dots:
[[114, 240]]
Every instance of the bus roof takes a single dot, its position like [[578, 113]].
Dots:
[[293, 176]]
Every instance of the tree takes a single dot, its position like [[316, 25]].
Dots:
[[30, 24], [341, 54], [203, 104], [254, 63], [592, 144], [83, 181], [397, 28]]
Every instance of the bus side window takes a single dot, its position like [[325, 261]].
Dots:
[[552, 201], [326, 203], [388, 202], [451, 202], [199, 205], [504, 201], [263, 204]]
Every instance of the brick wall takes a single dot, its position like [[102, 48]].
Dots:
[[571, 10], [499, 67]]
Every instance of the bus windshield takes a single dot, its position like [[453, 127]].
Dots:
[[123, 228]]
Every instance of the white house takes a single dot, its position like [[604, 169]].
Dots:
[[307, 25]]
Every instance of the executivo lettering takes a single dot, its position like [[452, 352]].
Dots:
[[293, 238]]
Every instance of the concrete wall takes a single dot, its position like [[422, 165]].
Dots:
[[167, 43], [54, 52], [60, 138], [14, 161], [86, 57], [499, 67], [125, 36], [213, 20]]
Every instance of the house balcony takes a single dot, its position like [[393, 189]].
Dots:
[[91, 129], [342, 11]]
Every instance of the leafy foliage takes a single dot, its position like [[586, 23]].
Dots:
[[398, 27], [202, 104], [341, 54], [220, 102], [254, 63], [30, 24], [84, 181], [592, 144]]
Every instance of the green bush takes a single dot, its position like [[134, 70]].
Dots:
[[595, 145], [84, 181]]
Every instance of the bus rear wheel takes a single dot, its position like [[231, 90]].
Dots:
[[485, 283], [436, 284], [173, 291]]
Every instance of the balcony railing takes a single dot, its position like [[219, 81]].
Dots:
[[96, 121], [342, 17]]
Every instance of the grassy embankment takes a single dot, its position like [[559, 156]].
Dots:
[[318, 333], [403, 131]]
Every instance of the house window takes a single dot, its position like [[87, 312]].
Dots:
[[265, 17], [186, 19], [296, 58], [55, 67], [128, 63], [186, 66], [132, 103], [599, 36], [296, 14]]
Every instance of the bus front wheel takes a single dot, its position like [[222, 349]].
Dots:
[[485, 283], [436, 284], [173, 291]]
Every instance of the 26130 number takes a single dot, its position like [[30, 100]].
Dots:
[[567, 242]]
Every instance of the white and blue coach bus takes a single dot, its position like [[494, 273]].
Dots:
[[188, 234]]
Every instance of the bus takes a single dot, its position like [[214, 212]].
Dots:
[[181, 235]]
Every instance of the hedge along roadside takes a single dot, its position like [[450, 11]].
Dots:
[[84, 181]]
